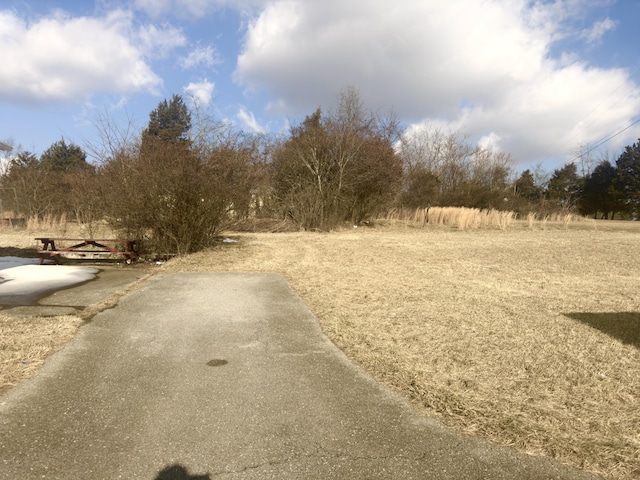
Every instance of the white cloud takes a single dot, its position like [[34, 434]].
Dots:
[[490, 142], [69, 59], [201, 56], [200, 93], [444, 53], [598, 30], [156, 41], [483, 67], [249, 121]]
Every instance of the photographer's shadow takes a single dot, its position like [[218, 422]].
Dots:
[[178, 472]]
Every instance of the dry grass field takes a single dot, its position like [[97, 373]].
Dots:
[[526, 336]]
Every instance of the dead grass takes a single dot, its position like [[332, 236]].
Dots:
[[26, 342], [461, 218], [473, 218], [501, 334], [24, 237], [527, 336]]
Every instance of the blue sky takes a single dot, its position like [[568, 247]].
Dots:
[[536, 80]]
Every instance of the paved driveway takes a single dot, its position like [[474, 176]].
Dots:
[[226, 376]]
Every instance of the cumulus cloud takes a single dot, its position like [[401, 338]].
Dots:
[[200, 93], [488, 68], [64, 59], [206, 56]]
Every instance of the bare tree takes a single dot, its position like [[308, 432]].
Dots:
[[456, 172], [585, 159], [336, 168]]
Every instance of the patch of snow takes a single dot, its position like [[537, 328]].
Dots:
[[18, 276]]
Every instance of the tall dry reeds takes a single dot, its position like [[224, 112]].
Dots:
[[556, 219], [51, 223], [464, 218], [457, 217]]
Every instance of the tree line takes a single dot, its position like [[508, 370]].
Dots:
[[185, 177]]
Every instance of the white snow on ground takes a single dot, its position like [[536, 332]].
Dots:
[[23, 276]]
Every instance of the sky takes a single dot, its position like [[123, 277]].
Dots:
[[535, 79]]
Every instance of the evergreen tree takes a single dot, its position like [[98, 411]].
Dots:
[[70, 185], [599, 194], [565, 186], [628, 178], [169, 122], [526, 187], [60, 157]]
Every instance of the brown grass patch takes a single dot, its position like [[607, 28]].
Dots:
[[492, 331], [26, 342], [525, 336]]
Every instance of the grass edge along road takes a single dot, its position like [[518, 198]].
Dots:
[[522, 337]]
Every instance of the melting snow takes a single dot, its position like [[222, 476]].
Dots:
[[23, 276]]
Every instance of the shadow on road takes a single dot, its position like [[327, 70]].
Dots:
[[178, 472], [623, 326]]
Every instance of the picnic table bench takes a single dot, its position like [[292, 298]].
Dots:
[[86, 248]]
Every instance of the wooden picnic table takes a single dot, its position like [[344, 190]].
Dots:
[[86, 248]]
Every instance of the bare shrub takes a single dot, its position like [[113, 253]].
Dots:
[[172, 194], [443, 168], [169, 198]]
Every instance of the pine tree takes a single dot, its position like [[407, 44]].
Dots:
[[169, 122], [628, 178]]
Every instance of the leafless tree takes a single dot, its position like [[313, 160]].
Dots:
[[336, 168]]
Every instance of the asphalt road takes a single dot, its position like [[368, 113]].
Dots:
[[202, 376]]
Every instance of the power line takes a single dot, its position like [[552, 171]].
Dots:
[[607, 137], [615, 132]]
